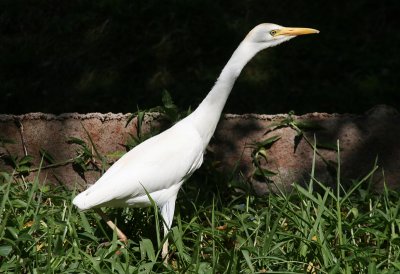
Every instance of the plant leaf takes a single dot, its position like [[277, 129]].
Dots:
[[328, 146], [5, 250], [74, 140], [268, 142], [47, 156], [263, 172]]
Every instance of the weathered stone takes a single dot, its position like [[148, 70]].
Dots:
[[363, 139]]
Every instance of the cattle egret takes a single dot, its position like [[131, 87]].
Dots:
[[161, 164]]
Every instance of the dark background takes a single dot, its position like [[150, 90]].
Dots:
[[112, 56]]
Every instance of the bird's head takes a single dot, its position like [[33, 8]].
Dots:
[[269, 35]]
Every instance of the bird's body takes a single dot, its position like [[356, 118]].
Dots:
[[144, 168], [162, 163]]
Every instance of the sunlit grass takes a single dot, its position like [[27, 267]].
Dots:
[[214, 231]]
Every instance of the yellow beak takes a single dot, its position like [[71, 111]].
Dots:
[[295, 31]]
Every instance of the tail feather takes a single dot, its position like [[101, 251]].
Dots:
[[88, 199], [80, 201]]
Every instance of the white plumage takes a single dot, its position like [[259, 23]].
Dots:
[[162, 163], [157, 165]]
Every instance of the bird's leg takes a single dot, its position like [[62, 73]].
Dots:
[[164, 252], [110, 223], [167, 213]]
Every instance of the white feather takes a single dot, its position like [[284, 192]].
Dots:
[[157, 165]]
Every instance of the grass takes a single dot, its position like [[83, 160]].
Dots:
[[215, 230]]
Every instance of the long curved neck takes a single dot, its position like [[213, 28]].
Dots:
[[205, 118]]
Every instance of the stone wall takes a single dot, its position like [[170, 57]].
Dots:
[[363, 139]]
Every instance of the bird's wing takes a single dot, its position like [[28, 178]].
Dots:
[[156, 164]]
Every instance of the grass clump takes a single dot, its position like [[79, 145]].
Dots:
[[216, 230]]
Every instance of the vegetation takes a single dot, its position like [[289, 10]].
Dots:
[[219, 226], [216, 230]]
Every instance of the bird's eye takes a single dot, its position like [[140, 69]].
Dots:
[[273, 32]]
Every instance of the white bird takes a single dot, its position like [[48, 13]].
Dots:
[[162, 163]]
